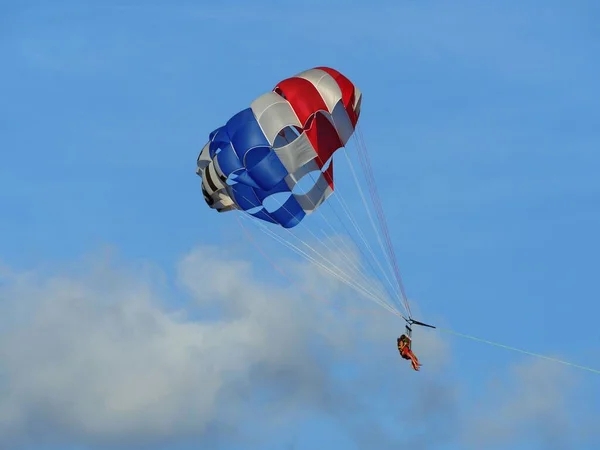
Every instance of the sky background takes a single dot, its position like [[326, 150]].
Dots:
[[132, 316]]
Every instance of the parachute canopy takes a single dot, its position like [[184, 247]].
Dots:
[[265, 150]]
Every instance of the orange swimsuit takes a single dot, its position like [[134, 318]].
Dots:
[[407, 353]]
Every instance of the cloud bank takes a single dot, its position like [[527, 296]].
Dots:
[[100, 356]]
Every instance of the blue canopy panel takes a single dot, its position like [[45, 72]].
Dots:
[[250, 200], [241, 144], [254, 170]]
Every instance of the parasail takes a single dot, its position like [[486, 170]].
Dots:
[[283, 136]]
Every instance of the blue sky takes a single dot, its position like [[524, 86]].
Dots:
[[481, 121]]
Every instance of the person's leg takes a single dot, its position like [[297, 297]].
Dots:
[[415, 362]]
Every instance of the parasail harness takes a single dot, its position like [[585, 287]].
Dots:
[[410, 322]]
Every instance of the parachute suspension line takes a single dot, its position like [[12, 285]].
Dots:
[[337, 194], [347, 256], [364, 240], [362, 196], [359, 274], [384, 223], [275, 266], [364, 270], [370, 286], [346, 278], [349, 259], [368, 170], [359, 269], [347, 282], [368, 210], [340, 199], [319, 260], [282, 271], [345, 208]]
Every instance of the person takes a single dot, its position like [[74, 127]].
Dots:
[[405, 351]]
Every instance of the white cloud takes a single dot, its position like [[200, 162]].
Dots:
[[533, 403], [97, 355]]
